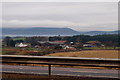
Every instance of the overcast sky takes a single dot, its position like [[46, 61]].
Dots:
[[80, 16]]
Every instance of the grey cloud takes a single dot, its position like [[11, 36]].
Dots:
[[78, 16]]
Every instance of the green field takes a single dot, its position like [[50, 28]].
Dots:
[[19, 39]]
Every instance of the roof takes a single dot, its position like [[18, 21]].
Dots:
[[22, 43], [93, 42], [61, 42], [52, 42]]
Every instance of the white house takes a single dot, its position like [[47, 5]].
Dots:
[[22, 45]]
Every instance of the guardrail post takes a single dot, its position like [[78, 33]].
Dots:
[[49, 68]]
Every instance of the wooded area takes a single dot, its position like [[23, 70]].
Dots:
[[108, 40]]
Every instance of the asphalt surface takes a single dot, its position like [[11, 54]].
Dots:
[[61, 71]]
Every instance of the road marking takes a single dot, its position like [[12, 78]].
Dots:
[[22, 72], [61, 74], [103, 76], [86, 71], [88, 76], [94, 72]]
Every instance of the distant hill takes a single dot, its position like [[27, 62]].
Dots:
[[100, 32], [51, 31], [39, 31]]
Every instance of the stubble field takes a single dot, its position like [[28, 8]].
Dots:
[[89, 54]]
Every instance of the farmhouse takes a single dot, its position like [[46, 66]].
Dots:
[[93, 44], [22, 45], [49, 43], [69, 48]]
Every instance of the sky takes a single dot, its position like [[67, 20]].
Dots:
[[80, 16]]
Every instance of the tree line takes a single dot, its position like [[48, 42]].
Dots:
[[108, 40]]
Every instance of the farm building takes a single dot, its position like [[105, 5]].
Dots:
[[49, 43], [22, 45], [93, 44]]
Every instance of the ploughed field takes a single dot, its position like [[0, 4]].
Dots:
[[89, 54]]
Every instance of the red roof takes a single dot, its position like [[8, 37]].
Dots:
[[62, 42], [93, 42]]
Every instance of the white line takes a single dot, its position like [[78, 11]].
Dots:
[[62, 74]]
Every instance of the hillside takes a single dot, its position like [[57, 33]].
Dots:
[[39, 31], [100, 32], [51, 31]]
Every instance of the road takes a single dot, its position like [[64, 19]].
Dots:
[[61, 71]]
